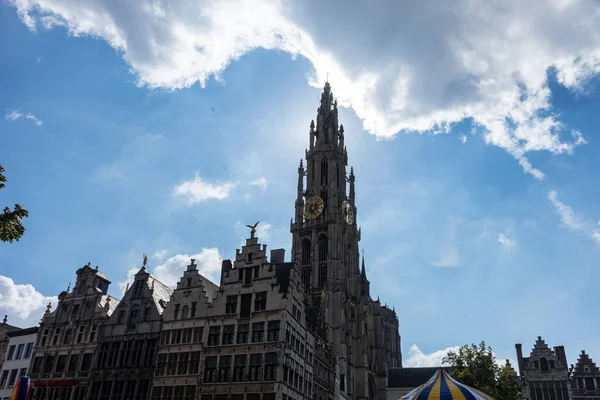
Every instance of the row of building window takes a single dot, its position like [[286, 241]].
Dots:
[[120, 390], [176, 364], [260, 367], [52, 364], [127, 353], [58, 337], [8, 378], [22, 351], [298, 379], [298, 343], [187, 392], [134, 317], [243, 332], [238, 396], [182, 336]]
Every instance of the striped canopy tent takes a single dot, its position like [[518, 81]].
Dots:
[[442, 386]]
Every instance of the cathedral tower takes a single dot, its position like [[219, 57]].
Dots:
[[325, 249]]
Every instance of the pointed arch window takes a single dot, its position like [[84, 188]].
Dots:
[[324, 196], [323, 250], [324, 171], [305, 251]]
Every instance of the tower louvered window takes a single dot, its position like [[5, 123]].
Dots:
[[305, 252], [322, 243], [324, 172]]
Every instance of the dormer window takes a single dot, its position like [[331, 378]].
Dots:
[[586, 368], [544, 364], [249, 257]]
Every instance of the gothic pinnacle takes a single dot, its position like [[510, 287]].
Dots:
[[312, 124], [342, 129]]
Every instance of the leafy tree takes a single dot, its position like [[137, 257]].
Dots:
[[475, 366], [11, 227]]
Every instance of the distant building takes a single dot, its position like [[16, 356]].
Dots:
[[68, 336], [544, 374], [4, 339], [126, 353], [585, 379], [17, 358]]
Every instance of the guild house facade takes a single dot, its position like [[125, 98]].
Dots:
[[273, 328]]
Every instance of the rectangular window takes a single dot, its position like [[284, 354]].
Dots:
[[322, 274], [273, 331], [80, 333], [73, 363], [193, 312], [198, 335], [213, 335], [150, 352], [75, 311], [68, 336], [258, 332], [37, 365], [210, 369], [242, 334], [246, 304], [44, 337], [248, 276], [48, 364], [194, 363], [55, 336], [86, 362], [176, 311], [255, 369], [61, 363], [134, 315], [93, 331], [121, 319], [224, 366], [161, 364], [182, 363], [20, 350], [270, 366], [11, 352], [147, 313], [228, 331], [260, 301], [13, 377], [239, 368], [118, 390], [165, 337], [4, 378], [231, 305]]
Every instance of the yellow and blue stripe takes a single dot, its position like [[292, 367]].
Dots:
[[442, 386]]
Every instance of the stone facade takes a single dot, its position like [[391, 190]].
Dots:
[[126, 354], [325, 246], [17, 358], [585, 379], [545, 373], [68, 336], [243, 339]]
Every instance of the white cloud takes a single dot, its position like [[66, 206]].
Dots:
[[15, 115], [263, 231], [160, 255], [485, 60], [260, 182], [208, 262], [571, 220], [463, 138], [505, 241], [23, 300], [197, 190], [130, 278], [416, 357]]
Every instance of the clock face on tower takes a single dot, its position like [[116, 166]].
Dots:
[[348, 212], [313, 207]]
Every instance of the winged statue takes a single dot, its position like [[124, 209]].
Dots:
[[252, 229]]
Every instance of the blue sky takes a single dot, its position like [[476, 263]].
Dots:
[[476, 191]]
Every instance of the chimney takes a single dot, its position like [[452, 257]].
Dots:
[[277, 256], [519, 348], [561, 355]]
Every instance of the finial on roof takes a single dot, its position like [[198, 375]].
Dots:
[[127, 287], [69, 287], [145, 261], [152, 288], [341, 129], [107, 304], [4, 320], [301, 163], [252, 229], [96, 268], [89, 264], [312, 124], [48, 308]]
